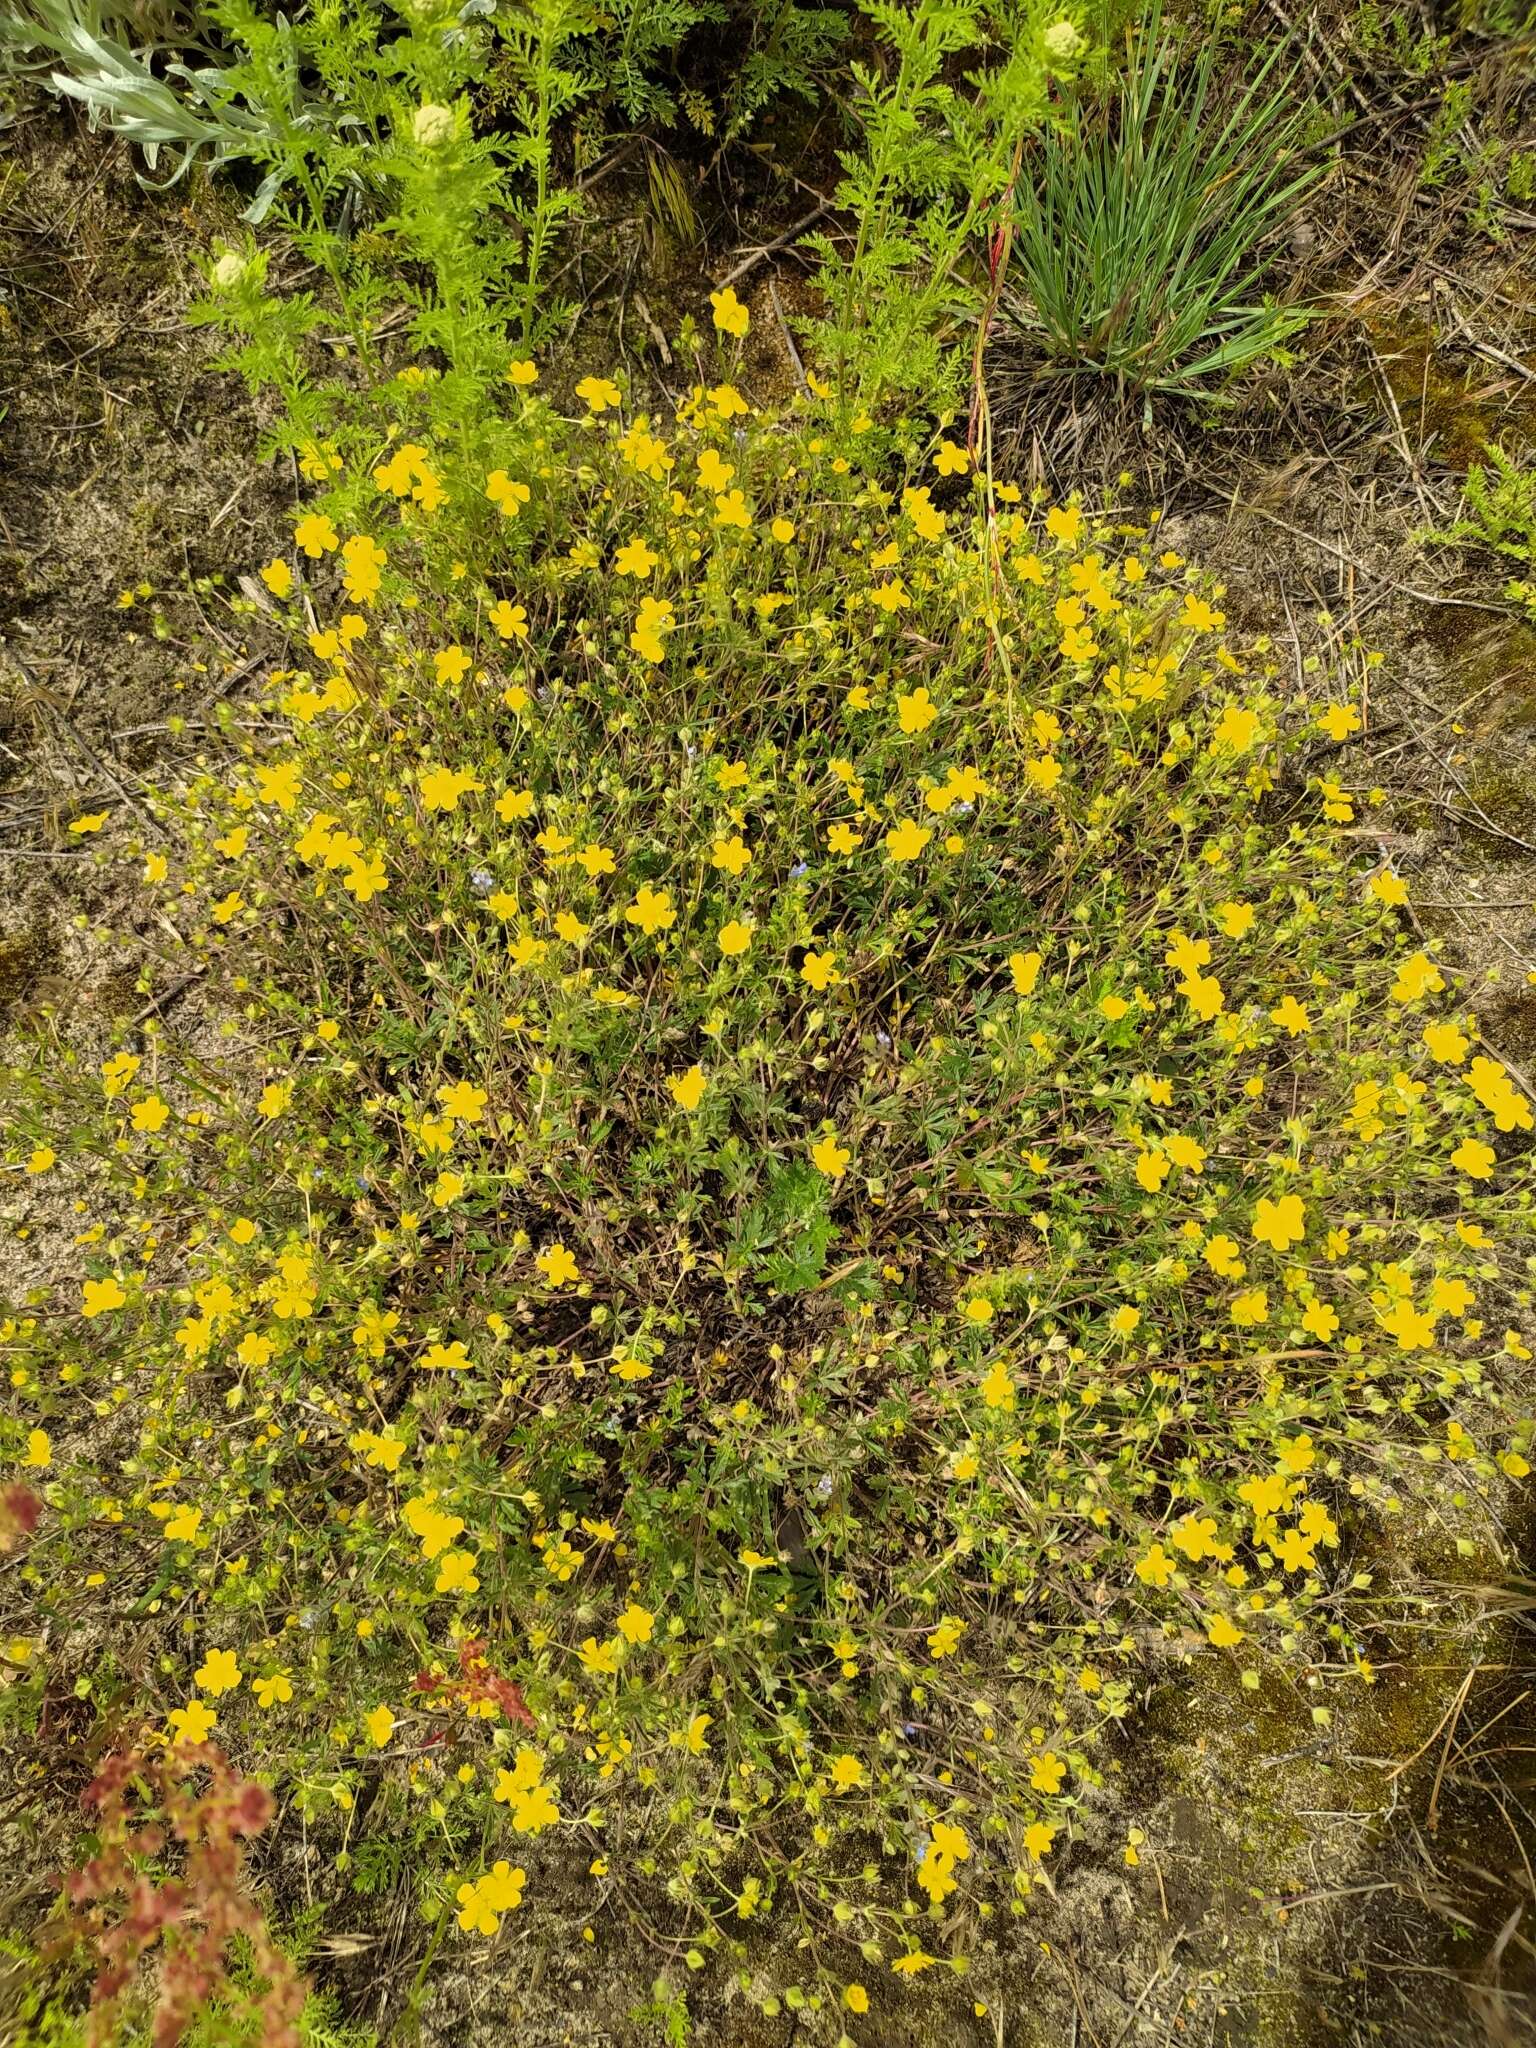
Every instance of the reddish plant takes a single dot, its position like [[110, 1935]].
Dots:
[[190, 1796], [476, 1685], [20, 1509]]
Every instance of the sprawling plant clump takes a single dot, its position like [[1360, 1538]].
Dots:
[[820, 1150]]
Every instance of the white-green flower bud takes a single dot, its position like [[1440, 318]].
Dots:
[[1062, 42], [433, 126]]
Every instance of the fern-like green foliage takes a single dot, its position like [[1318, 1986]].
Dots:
[[789, 50], [935, 160], [1141, 222], [1499, 513], [783, 1239], [1501, 498], [626, 63]]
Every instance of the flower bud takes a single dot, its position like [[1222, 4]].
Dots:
[[1062, 42], [433, 126]]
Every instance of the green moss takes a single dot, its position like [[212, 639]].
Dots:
[[1444, 405], [1512, 1025], [1503, 787], [27, 958]]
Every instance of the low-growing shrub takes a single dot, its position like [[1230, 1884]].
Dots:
[[818, 1155]]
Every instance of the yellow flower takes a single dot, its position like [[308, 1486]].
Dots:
[[916, 711], [731, 316], [1221, 1255], [1339, 721], [951, 460], [1046, 1772], [687, 1089], [380, 1725], [735, 938], [598, 394], [461, 1099], [218, 1673], [1156, 1568], [273, 1691], [715, 472], [847, 1773], [1321, 1321], [830, 1158], [1186, 1153], [1445, 1044], [1506, 1104], [1250, 1308], [731, 856], [1236, 730], [1291, 1016], [1200, 616], [456, 1573], [634, 559], [39, 1451], [696, 1740], [1038, 1838], [506, 493], [557, 1265], [1416, 977], [363, 559], [1475, 1159], [997, 1389], [1388, 888], [532, 1802], [906, 840], [522, 372], [183, 1525], [316, 536], [279, 784], [856, 1998], [194, 1722], [97, 1297], [92, 821], [509, 621], [945, 1639], [913, 1963], [278, 577], [601, 1659], [651, 910], [636, 1624], [1281, 1223], [1152, 1169]]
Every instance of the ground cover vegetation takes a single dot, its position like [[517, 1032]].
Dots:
[[818, 1135]]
